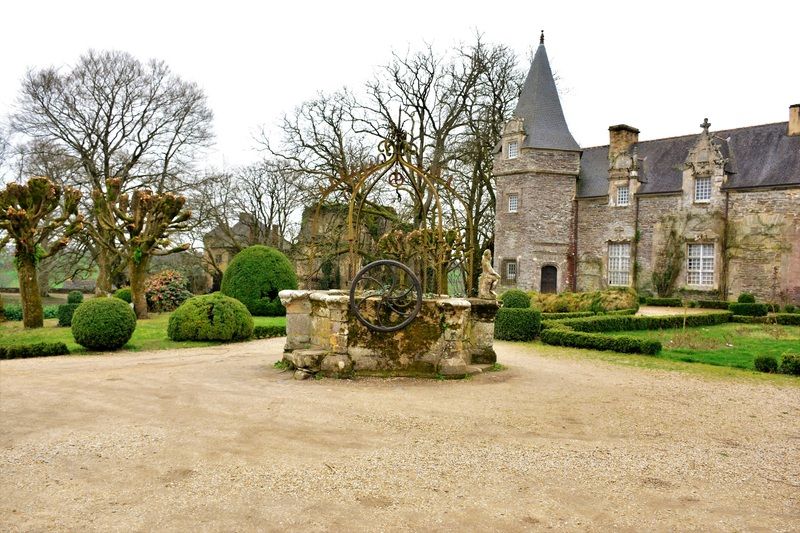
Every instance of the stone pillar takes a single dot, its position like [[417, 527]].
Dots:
[[298, 319], [481, 331]]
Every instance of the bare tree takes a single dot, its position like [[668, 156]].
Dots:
[[134, 122]]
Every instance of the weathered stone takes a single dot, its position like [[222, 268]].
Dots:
[[309, 359], [336, 365], [452, 366], [301, 374]]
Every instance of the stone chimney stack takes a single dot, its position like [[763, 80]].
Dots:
[[794, 120], [621, 138]]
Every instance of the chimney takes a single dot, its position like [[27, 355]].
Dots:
[[794, 120], [621, 138]]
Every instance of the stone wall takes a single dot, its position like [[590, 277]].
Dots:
[[599, 224]]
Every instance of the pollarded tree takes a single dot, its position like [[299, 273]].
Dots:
[[142, 225], [39, 217]]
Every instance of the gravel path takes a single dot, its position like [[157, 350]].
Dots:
[[215, 439]]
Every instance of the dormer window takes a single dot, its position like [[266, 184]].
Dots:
[[513, 203], [513, 150], [623, 195], [702, 189]]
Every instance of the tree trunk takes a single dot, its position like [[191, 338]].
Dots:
[[103, 285], [138, 273], [32, 313]]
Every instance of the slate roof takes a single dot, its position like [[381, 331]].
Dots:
[[539, 106], [758, 156]]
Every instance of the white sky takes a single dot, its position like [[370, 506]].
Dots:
[[661, 67]]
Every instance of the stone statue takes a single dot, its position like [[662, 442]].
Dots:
[[488, 279]]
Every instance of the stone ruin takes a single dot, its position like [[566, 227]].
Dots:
[[449, 337]]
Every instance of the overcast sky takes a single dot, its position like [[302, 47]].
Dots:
[[661, 67]]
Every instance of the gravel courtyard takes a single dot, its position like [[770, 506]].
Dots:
[[216, 439]]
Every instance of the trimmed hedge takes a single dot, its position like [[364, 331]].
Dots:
[[787, 319], [210, 317], [712, 304], [268, 332], [790, 364], [516, 299], [65, 313], [75, 297], [514, 324], [14, 312], [766, 363], [595, 341], [746, 298], [564, 316], [748, 309], [744, 319], [638, 322], [255, 276], [103, 324], [39, 349], [665, 302], [624, 311], [124, 294]]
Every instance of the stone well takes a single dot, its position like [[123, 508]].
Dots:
[[448, 337]]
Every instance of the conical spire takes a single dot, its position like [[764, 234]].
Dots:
[[539, 106]]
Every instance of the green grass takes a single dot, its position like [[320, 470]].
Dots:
[[150, 334], [732, 345]]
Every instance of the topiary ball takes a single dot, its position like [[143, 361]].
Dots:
[[746, 298], [515, 298], [211, 317], [766, 363], [124, 294], [255, 276], [75, 297], [103, 324], [790, 364]]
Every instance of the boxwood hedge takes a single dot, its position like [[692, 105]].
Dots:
[[65, 313], [637, 322], [665, 302], [712, 304], [515, 324], [103, 324], [515, 298], [255, 276], [748, 309], [564, 316], [268, 332], [39, 349], [210, 317], [560, 336], [788, 319]]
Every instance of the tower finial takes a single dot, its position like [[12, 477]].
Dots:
[[541, 38], [705, 125]]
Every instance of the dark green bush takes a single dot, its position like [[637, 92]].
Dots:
[[75, 297], [712, 304], [515, 298], [166, 290], [766, 363], [65, 313], [210, 317], [255, 276], [39, 349], [790, 364], [665, 302], [788, 319], [638, 322], [789, 308], [564, 316], [13, 312], [2, 309], [746, 298], [565, 337], [268, 332], [744, 319], [623, 312], [124, 294], [748, 309], [515, 324], [103, 324]]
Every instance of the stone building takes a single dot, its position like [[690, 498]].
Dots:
[[706, 215]]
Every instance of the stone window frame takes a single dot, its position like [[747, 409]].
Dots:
[[627, 195], [515, 197], [701, 275], [507, 265], [512, 150], [704, 185], [622, 266]]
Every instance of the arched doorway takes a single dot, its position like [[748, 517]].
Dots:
[[549, 279]]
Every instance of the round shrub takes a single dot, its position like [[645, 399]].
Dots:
[[166, 290], [65, 313], [766, 363], [789, 308], [515, 298], [255, 276], [75, 297], [746, 298], [211, 317], [790, 364], [124, 294], [103, 324], [515, 324]]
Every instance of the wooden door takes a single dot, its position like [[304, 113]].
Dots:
[[549, 279]]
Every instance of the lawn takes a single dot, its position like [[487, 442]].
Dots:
[[150, 334], [732, 344]]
